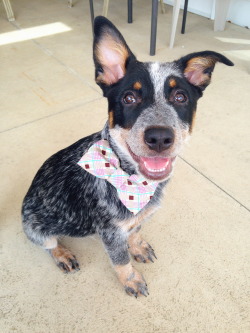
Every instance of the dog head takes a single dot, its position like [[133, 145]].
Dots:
[[151, 105]]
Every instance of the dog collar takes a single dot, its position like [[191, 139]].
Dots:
[[134, 191]]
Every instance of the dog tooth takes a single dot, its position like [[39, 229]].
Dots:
[[156, 170]]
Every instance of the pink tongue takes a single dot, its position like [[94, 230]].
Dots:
[[155, 162]]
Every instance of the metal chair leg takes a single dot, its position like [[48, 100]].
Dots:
[[130, 11], [154, 17], [184, 17]]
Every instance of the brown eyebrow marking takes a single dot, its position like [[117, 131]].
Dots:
[[137, 85], [172, 83]]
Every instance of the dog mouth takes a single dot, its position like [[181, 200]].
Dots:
[[154, 168]]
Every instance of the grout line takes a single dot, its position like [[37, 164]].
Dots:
[[48, 52], [211, 181], [69, 69], [50, 115]]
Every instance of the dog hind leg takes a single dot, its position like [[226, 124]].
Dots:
[[63, 258]]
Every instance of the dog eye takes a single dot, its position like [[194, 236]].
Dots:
[[129, 98], [180, 97]]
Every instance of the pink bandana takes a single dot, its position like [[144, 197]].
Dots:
[[134, 191]]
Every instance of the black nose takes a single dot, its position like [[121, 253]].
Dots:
[[158, 138]]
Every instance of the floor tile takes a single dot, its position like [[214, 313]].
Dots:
[[219, 147], [37, 86]]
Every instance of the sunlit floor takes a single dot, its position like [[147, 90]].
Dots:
[[200, 282]]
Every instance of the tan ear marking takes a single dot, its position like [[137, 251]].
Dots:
[[112, 56], [194, 71]]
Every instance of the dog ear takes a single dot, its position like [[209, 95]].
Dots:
[[111, 53], [198, 67]]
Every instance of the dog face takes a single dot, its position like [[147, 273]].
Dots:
[[151, 105]]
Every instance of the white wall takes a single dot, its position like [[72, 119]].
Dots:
[[238, 13]]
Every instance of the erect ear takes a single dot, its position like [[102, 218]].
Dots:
[[198, 67], [111, 53]]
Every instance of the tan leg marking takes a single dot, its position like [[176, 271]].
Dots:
[[64, 259], [140, 249], [132, 280]]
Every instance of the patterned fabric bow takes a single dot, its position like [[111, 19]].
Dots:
[[134, 191]]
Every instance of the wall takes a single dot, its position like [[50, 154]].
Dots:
[[238, 13]]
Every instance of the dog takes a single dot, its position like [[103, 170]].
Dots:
[[110, 182]]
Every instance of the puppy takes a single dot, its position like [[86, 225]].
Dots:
[[111, 181]]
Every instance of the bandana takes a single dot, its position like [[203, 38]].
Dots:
[[134, 191]]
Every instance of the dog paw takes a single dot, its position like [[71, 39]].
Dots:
[[136, 285], [132, 281], [64, 259], [68, 265], [143, 252]]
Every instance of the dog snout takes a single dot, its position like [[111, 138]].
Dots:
[[159, 139]]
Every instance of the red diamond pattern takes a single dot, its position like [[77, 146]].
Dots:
[[133, 191]]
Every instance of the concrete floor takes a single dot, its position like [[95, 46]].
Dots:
[[200, 282]]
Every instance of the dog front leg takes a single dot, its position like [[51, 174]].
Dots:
[[140, 249], [115, 242]]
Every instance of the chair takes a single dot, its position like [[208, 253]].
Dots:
[[221, 10], [9, 11], [154, 16]]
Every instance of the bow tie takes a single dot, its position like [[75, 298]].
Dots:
[[134, 191]]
